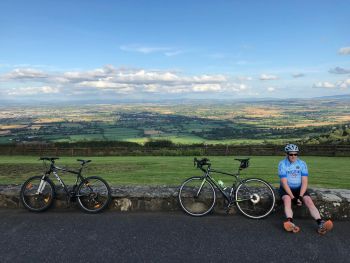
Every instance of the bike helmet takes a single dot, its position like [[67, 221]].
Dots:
[[291, 148]]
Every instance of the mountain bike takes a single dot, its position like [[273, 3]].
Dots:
[[254, 197], [92, 193]]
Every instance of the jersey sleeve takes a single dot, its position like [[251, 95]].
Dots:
[[304, 171], [282, 170]]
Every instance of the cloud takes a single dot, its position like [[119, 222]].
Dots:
[[167, 51], [120, 80], [344, 84], [339, 70], [324, 84], [344, 51], [173, 53], [244, 78], [298, 75], [206, 87], [33, 91], [25, 73], [271, 89], [268, 77]]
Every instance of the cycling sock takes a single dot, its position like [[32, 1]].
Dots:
[[290, 219], [319, 221]]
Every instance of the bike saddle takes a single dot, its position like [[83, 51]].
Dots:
[[244, 162], [242, 159]]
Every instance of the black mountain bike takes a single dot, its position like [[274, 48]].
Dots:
[[254, 197], [92, 193]]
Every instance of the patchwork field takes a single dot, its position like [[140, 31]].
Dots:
[[253, 122]]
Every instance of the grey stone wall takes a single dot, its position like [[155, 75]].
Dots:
[[332, 203]]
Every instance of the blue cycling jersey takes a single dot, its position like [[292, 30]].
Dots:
[[292, 171]]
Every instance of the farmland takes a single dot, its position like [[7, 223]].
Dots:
[[188, 122]]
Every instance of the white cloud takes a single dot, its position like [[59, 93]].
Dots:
[[25, 73], [244, 78], [126, 81], [271, 89], [167, 51], [298, 75], [339, 70], [324, 84], [345, 84], [173, 53], [33, 91], [268, 77], [344, 51], [77, 76], [206, 87], [342, 84], [235, 87]]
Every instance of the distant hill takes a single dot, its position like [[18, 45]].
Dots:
[[340, 135]]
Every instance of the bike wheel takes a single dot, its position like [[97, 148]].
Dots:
[[32, 199], [197, 196], [93, 194], [255, 198]]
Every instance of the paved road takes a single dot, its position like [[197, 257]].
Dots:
[[72, 236]]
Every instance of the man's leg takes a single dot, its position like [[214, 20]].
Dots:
[[312, 208], [289, 225], [287, 202], [323, 226]]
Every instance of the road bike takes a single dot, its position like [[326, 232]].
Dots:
[[38, 192], [254, 197]]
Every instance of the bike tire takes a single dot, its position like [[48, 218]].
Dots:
[[93, 194], [197, 196], [37, 202], [255, 198]]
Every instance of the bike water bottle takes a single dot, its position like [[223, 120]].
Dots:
[[221, 183]]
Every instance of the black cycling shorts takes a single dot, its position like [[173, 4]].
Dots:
[[296, 192]]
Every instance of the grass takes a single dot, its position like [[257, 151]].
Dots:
[[327, 172]]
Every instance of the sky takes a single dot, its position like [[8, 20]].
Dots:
[[125, 50]]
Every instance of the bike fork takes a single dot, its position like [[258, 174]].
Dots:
[[41, 186]]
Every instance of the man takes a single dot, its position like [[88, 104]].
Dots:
[[293, 174]]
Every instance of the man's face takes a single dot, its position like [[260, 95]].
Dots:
[[292, 156]]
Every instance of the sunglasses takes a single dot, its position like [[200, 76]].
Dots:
[[292, 154]]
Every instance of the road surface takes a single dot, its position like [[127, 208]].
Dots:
[[73, 236]]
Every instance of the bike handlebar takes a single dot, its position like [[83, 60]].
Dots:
[[200, 163], [52, 160]]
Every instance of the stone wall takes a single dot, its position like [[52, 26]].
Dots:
[[332, 203]]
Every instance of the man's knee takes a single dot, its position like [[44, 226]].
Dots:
[[287, 201], [308, 201]]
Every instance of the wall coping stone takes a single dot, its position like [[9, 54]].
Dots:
[[332, 203]]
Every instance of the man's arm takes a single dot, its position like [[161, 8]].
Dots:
[[286, 187], [304, 179], [304, 183]]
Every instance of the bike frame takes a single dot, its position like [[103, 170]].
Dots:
[[207, 176], [53, 169]]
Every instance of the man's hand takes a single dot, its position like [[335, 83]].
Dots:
[[297, 201], [300, 200]]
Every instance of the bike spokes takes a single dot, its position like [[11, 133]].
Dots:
[[93, 194], [36, 195], [197, 196], [255, 198]]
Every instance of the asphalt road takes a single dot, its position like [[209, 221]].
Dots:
[[72, 236]]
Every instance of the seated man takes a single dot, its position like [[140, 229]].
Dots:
[[293, 189]]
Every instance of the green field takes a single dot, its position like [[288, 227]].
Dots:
[[327, 172], [248, 122]]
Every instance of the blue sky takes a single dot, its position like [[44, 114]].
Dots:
[[173, 49]]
